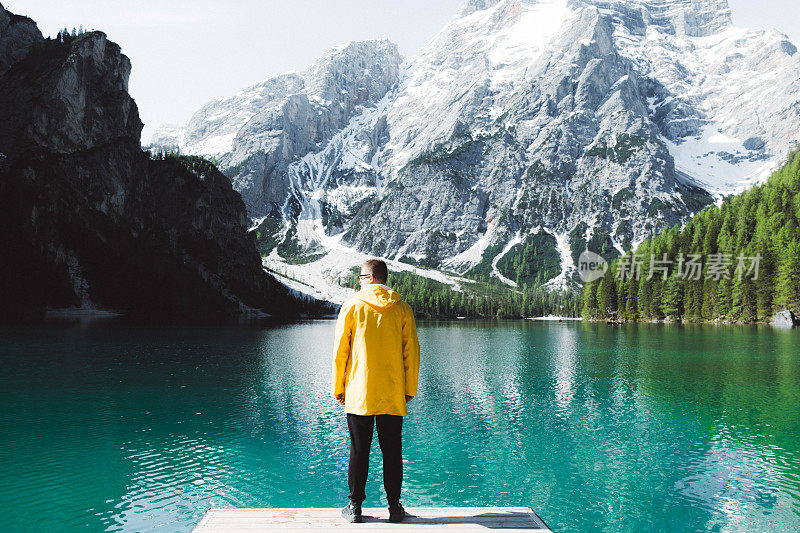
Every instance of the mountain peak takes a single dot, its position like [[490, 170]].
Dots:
[[477, 5], [17, 33], [356, 46], [374, 52], [693, 18], [597, 122]]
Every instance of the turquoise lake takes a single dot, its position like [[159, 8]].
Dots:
[[597, 428]]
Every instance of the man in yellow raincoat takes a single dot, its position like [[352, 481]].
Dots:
[[375, 370]]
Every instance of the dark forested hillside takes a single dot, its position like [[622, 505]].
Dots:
[[88, 221]]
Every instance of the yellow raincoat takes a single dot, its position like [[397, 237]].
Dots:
[[376, 359]]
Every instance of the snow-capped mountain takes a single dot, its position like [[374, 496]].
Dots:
[[526, 130]]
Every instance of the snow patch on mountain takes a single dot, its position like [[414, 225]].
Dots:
[[495, 271], [323, 278], [718, 163], [564, 278]]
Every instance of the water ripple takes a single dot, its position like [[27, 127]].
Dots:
[[608, 429]]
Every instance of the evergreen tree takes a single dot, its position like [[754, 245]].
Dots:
[[631, 299], [788, 290], [607, 296], [590, 303], [673, 297]]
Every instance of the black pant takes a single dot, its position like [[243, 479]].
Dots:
[[390, 439]]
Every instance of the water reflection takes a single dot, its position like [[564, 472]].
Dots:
[[598, 428], [566, 361]]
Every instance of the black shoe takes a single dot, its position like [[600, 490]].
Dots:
[[352, 513], [396, 512]]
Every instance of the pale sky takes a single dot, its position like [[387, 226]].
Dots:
[[186, 52]]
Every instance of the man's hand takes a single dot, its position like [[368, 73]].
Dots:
[[408, 398], [340, 398]]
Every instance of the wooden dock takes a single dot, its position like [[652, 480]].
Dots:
[[375, 519]]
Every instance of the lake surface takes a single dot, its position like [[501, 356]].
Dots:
[[596, 427]]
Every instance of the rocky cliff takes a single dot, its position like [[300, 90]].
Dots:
[[525, 130], [91, 222]]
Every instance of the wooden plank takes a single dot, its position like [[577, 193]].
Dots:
[[375, 519]]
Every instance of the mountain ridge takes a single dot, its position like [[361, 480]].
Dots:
[[597, 122]]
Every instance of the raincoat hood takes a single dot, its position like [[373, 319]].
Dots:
[[378, 296]]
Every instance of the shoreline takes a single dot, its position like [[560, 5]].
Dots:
[[686, 322], [553, 318], [92, 317]]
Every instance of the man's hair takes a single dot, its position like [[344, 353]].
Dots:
[[378, 269]]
